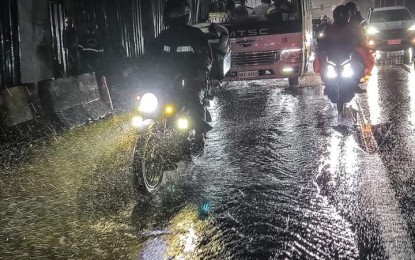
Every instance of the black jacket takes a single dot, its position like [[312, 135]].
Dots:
[[183, 50]]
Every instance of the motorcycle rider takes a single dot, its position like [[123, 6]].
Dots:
[[355, 21], [184, 50], [346, 34], [341, 31]]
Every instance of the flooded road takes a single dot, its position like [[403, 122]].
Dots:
[[279, 179]]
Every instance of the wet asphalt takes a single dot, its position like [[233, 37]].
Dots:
[[280, 178], [284, 180]]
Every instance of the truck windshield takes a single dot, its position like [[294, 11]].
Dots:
[[262, 19]]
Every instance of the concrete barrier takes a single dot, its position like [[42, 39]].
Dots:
[[73, 101], [21, 115], [97, 100], [61, 100], [31, 111], [15, 106]]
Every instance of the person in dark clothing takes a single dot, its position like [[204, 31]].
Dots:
[[280, 10], [239, 9], [341, 32], [91, 49], [217, 6], [343, 35], [184, 50], [262, 8], [355, 16]]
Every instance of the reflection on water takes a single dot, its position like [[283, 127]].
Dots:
[[373, 98], [258, 176], [411, 88]]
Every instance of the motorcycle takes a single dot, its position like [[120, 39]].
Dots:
[[167, 135], [341, 75]]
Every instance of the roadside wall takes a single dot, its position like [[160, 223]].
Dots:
[[35, 41]]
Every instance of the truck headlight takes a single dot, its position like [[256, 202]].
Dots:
[[372, 30], [291, 56], [148, 103]]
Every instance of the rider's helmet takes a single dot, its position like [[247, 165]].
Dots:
[[341, 15], [352, 7], [176, 13]]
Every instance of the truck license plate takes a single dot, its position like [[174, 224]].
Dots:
[[247, 74]]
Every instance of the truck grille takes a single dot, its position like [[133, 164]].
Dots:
[[254, 58]]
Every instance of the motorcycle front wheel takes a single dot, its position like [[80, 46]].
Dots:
[[340, 108], [147, 165]]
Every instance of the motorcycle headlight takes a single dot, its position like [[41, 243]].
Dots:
[[183, 123], [412, 28], [148, 103], [331, 72], [372, 30], [169, 110], [347, 71], [291, 56], [138, 121]]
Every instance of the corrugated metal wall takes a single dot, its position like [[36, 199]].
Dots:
[[118, 22], [123, 25], [157, 11], [57, 24], [121, 21], [9, 44]]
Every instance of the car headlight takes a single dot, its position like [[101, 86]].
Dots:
[[412, 28], [331, 72], [372, 30], [291, 56], [148, 103], [347, 71]]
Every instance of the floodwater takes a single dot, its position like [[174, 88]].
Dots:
[[279, 179]]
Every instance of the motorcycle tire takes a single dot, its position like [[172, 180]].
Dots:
[[148, 172], [340, 108], [293, 82]]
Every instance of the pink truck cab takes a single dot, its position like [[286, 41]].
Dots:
[[269, 47]]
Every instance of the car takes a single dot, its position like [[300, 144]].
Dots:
[[391, 29]]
